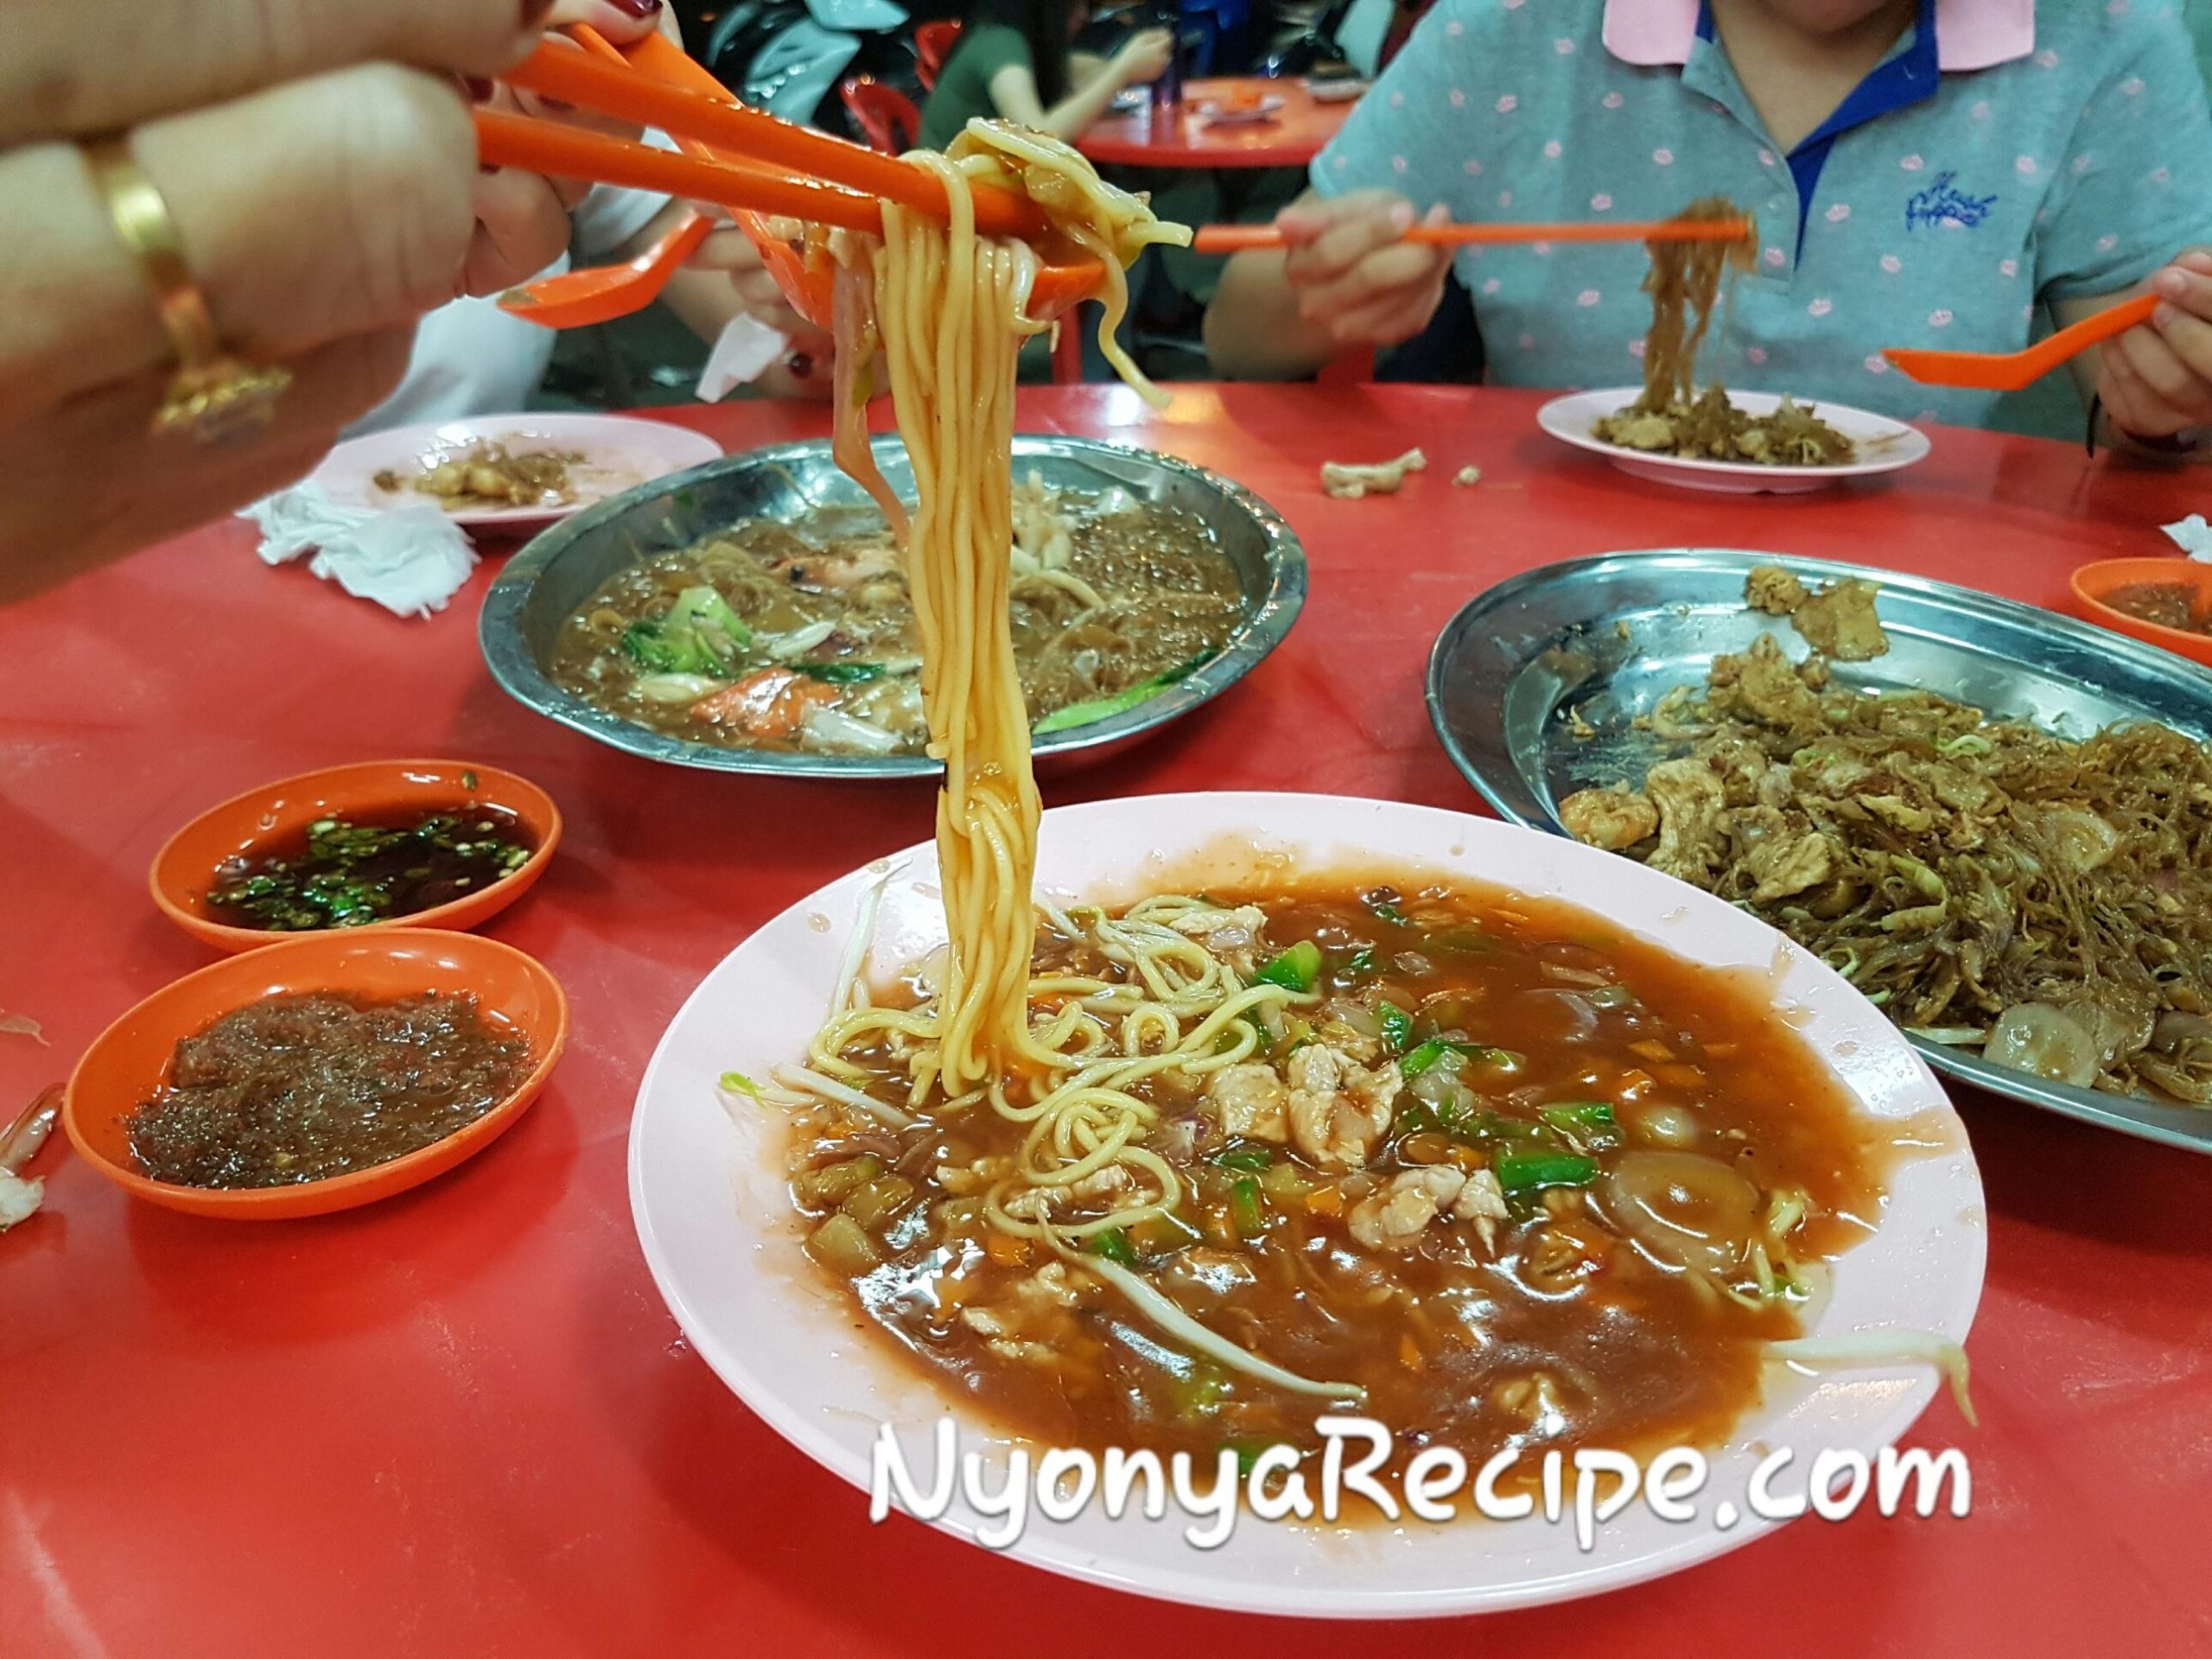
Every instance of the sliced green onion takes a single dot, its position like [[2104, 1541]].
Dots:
[[1424, 1058], [1436, 1052], [1397, 1026], [1114, 1244], [1578, 1117], [1295, 969], [1532, 1170], [1358, 966], [1414, 1118], [1083, 714], [1609, 996], [1244, 1158], [1246, 1213]]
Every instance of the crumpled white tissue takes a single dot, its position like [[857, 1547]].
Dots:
[[2193, 536], [411, 560], [741, 355]]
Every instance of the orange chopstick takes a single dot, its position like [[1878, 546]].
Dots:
[[505, 140], [1238, 238], [558, 71]]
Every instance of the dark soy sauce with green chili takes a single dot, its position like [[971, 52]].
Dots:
[[344, 872]]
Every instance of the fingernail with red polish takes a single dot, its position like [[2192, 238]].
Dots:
[[479, 90], [533, 12], [636, 8]]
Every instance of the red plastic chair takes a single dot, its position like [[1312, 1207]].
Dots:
[[933, 44], [887, 115]]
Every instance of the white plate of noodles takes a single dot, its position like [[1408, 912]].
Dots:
[[713, 1205], [1881, 445]]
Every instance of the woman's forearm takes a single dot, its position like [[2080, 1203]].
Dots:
[[1252, 328], [1067, 119]]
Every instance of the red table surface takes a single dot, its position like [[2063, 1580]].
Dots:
[[459, 1422], [1185, 138]]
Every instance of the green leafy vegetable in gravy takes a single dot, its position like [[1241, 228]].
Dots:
[[1471, 1165], [302, 1088], [803, 637], [341, 874]]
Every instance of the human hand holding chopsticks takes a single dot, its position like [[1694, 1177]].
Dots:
[[522, 217], [294, 198], [2155, 380]]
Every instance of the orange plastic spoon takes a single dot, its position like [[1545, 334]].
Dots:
[[576, 299], [2010, 371]]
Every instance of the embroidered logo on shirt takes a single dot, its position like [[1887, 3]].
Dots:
[[1941, 206]]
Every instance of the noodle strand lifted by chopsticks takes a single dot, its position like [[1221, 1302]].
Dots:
[[949, 312]]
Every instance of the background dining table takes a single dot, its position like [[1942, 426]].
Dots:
[[460, 1423], [1291, 137]]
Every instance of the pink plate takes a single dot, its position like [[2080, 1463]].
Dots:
[[619, 454]]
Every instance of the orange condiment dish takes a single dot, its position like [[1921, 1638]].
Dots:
[[129, 1063], [188, 869], [2094, 583]]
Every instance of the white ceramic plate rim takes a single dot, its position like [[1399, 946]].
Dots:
[[1226, 115], [643, 450], [710, 1215], [1571, 419]]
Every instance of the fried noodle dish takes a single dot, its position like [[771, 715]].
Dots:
[[1985, 882], [1672, 418]]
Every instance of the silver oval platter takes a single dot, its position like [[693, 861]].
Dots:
[[1606, 638], [547, 580]]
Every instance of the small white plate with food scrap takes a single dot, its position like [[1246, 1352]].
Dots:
[[1870, 443], [1236, 112], [508, 473], [1594, 677], [1489, 1262]]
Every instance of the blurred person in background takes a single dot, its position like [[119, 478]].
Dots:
[[1016, 62]]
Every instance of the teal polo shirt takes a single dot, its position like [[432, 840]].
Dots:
[[1941, 206]]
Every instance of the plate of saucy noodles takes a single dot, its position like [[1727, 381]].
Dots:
[[1988, 817], [1378, 1108], [755, 615]]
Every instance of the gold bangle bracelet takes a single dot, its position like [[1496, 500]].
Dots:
[[214, 395]]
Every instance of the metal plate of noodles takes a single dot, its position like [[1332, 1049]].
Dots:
[[544, 584], [1606, 638]]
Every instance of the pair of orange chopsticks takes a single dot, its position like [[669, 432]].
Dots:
[[772, 166], [786, 169]]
